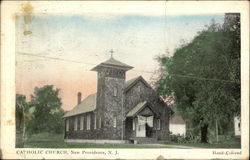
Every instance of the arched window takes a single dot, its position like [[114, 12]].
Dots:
[[133, 124], [81, 123], [67, 124], [115, 91], [88, 121], [75, 124], [158, 124], [100, 122], [95, 122], [114, 124]]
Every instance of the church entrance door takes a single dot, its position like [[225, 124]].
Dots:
[[149, 131], [144, 126], [141, 130]]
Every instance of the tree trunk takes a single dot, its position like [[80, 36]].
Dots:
[[217, 133], [204, 134]]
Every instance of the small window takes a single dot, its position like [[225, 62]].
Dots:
[[75, 124], [133, 124], [114, 125], [88, 121], [95, 122], [81, 123], [239, 125], [67, 124], [100, 122], [158, 124], [115, 91]]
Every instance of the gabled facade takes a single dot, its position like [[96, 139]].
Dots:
[[177, 125], [120, 111]]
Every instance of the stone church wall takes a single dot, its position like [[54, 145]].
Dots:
[[129, 132], [84, 133], [109, 106], [112, 108], [139, 93]]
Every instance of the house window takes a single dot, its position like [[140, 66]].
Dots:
[[114, 125], [75, 124], [158, 124], [239, 125], [67, 124], [95, 122], [81, 123], [100, 122], [88, 122], [115, 91], [133, 124]]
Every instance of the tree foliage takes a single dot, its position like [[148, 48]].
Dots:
[[21, 105], [24, 114], [204, 76], [48, 113]]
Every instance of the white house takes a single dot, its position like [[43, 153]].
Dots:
[[237, 123], [177, 125]]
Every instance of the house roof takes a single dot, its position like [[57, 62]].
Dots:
[[114, 64], [176, 119], [86, 105]]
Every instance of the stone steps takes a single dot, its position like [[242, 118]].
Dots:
[[144, 140]]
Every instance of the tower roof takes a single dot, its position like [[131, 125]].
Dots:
[[112, 63]]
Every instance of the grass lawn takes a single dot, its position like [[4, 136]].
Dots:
[[223, 143], [49, 140], [234, 145]]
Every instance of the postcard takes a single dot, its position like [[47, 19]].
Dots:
[[125, 80]]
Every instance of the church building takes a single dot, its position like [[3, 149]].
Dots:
[[120, 111]]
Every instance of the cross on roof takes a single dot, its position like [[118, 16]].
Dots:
[[111, 52]]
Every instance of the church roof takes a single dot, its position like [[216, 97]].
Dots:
[[87, 105], [136, 109], [130, 83], [113, 63]]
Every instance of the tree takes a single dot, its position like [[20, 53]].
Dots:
[[24, 114], [20, 106], [48, 113], [204, 76]]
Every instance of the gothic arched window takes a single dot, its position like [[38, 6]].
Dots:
[[115, 91], [114, 122]]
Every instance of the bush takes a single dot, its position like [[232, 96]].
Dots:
[[177, 138], [173, 138]]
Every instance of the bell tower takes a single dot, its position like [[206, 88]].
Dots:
[[109, 103]]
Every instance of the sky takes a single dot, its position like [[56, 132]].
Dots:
[[60, 50]]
